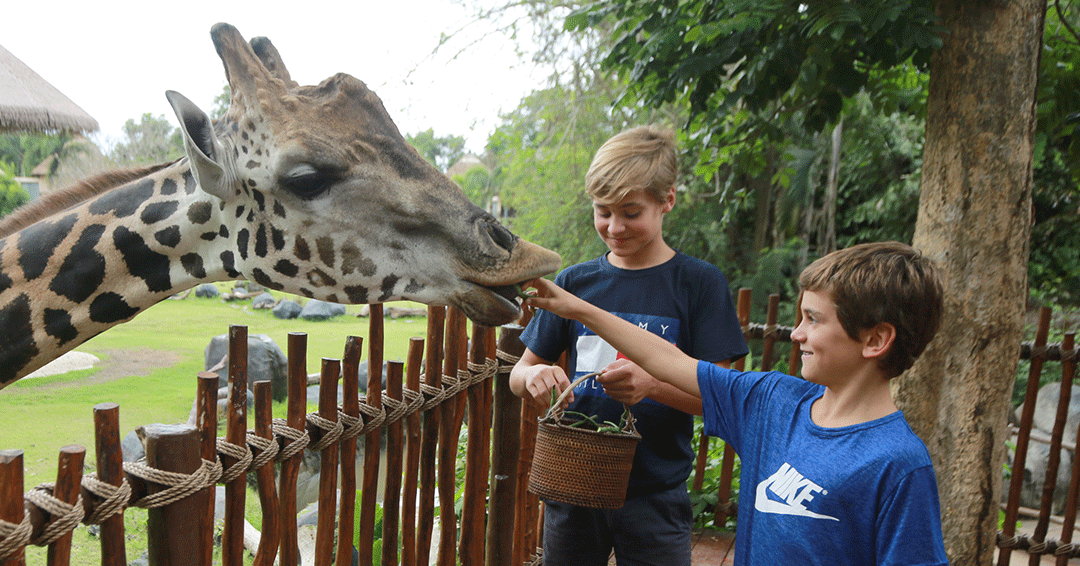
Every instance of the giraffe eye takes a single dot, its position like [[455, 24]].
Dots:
[[307, 182]]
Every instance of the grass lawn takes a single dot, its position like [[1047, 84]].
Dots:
[[41, 415]]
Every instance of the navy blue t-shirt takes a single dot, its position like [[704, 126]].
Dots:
[[684, 300]]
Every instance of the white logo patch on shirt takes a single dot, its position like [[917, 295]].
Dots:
[[792, 491]]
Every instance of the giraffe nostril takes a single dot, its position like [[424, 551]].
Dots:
[[501, 236]]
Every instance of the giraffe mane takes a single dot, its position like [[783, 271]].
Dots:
[[81, 191]]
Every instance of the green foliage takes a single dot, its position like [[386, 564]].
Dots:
[[774, 56], [12, 194], [441, 151], [26, 151], [703, 502], [476, 182], [377, 546], [152, 139]]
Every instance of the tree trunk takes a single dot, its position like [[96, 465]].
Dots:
[[974, 220]]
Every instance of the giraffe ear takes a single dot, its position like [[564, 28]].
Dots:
[[203, 149]]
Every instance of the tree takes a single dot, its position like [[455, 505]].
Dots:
[[152, 139], [788, 61], [26, 151], [975, 220], [12, 195], [441, 151]]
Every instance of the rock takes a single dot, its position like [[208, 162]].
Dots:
[[132, 447], [1035, 464], [264, 301], [266, 361], [394, 313], [287, 309], [223, 403], [1046, 403], [321, 310], [207, 291]]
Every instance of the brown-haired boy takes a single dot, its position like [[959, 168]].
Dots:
[[831, 472]]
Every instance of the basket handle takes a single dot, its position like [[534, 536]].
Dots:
[[554, 413]]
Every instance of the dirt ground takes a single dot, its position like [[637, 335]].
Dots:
[[113, 364]]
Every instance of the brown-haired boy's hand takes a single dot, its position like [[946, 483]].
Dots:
[[554, 299]]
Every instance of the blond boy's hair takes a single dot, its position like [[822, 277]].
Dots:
[[641, 158], [882, 282]]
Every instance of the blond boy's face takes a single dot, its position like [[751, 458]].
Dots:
[[633, 227]]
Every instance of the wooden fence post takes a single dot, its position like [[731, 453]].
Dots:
[[324, 530], [206, 394], [12, 508], [476, 453], [412, 455], [67, 487], [506, 433], [174, 531], [290, 467], [268, 498], [436, 322], [110, 470], [232, 538], [350, 405], [727, 465], [373, 439], [392, 488], [448, 440]]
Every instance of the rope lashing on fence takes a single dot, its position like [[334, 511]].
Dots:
[[180, 485], [68, 515], [242, 456], [1036, 548], [14, 536], [109, 500], [331, 431], [112, 499], [291, 441]]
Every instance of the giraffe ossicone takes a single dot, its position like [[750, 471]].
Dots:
[[306, 189]]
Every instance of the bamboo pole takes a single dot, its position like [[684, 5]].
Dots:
[[324, 531], [506, 432], [392, 490], [448, 440], [290, 468], [350, 405], [412, 456], [110, 470], [436, 321], [268, 498], [769, 340], [373, 440]]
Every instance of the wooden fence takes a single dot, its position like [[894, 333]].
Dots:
[[420, 413]]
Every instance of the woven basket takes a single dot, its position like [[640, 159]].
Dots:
[[580, 466]]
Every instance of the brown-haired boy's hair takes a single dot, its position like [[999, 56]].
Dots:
[[641, 158], [882, 282]]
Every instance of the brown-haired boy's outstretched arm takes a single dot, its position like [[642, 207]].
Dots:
[[655, 355]]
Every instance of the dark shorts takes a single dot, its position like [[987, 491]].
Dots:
[[648, 530]]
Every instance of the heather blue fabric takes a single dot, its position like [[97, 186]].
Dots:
[[857, 495]]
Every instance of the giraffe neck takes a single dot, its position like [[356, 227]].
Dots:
[[83, 270]]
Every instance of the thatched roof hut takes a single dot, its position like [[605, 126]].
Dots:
[[29, 103]]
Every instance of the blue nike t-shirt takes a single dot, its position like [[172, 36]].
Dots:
[[857, 495], [684, 300]]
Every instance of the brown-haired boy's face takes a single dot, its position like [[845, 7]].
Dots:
[[632, 228], [829, 355]]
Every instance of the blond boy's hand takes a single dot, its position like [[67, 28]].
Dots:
[[541, 381], [625, 382]]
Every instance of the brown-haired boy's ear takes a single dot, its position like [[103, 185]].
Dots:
[[877, 340], [669, 200]]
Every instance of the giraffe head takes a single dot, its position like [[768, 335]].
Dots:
[[319, 194]]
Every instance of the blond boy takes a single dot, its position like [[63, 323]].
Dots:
[[681, 300]]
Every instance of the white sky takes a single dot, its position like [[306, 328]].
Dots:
[[116, 58]]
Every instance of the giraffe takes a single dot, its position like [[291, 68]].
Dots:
[[305, 189]]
